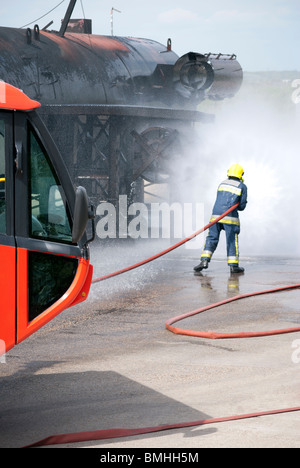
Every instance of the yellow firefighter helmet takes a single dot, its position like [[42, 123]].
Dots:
[[236, 171]]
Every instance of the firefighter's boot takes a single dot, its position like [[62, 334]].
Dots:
[[203, 265], [235, 269]]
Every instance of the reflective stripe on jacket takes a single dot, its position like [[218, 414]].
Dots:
[[230, 192]]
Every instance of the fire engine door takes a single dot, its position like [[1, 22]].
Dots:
[[7, 240], [42, 272]]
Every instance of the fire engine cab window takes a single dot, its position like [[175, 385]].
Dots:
[[2, 179], [49, 214], [50, 276]]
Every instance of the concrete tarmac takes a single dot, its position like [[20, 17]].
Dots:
[[110, 363]]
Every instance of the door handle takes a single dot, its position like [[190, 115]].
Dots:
[[19, 157]]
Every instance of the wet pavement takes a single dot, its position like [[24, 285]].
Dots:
[[110, 362]]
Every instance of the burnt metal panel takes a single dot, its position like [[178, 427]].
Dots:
[[92, 69]]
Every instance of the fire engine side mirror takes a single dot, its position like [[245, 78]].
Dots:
[[81, 214]]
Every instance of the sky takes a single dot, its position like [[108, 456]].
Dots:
[[264, 34]]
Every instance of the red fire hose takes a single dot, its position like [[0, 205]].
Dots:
[[215, 336], [164, 252], [117, 433]]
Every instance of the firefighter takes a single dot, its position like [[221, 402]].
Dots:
[[231, 191]]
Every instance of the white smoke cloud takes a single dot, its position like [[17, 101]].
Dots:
[[265, 141]]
